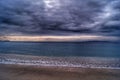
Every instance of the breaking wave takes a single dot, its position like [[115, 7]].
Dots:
[[84, 62]]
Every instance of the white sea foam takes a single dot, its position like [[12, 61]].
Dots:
[[84, 62]]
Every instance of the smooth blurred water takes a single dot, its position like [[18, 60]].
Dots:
[[88, 49]]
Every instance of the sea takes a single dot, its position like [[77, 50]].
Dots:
[[70, 54], [85, 49]]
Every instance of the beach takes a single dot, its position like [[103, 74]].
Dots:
[[17, 72], [26, 67]]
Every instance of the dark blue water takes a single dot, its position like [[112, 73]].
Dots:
[[88, 49]]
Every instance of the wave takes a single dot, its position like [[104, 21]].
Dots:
[[83, 62]]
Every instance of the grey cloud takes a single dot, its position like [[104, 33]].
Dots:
[[43, 17], [111, 26]]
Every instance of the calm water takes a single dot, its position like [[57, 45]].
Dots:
[[92, 49]]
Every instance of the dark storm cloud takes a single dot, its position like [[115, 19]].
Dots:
[[43, 17]]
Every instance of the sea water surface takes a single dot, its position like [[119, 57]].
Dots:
[[85, 49], [69, 54]]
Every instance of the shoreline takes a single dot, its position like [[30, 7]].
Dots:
[[40, 72], [70, 62]]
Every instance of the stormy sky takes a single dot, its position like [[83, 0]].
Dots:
[[60, 17]]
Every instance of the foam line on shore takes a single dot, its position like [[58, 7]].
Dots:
[[83, 62]]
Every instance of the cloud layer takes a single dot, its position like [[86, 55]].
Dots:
[[59, 17]]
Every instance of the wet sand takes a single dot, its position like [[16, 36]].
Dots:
[[20, 72]]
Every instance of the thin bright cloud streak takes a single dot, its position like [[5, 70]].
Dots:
[[60, 38]]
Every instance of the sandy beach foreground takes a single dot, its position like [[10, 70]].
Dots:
[[21, 67], [20, 72]]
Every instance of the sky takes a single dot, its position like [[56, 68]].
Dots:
[[60, 17]]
